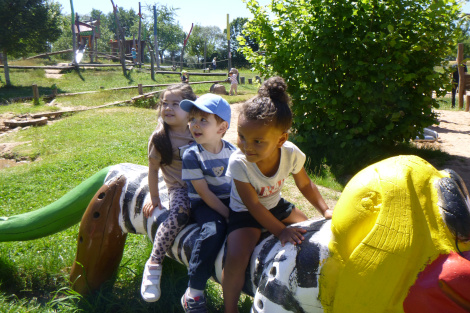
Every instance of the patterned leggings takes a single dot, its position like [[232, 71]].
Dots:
[[169, 229]]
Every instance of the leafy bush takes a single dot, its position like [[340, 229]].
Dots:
[[360, 73]]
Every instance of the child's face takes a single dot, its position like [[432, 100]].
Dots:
[[258, 141], [205, 130], [171, 112]]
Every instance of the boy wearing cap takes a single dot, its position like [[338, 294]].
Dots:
[[204, 167]]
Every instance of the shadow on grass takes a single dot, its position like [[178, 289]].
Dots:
[[11, 93], [344, 163]]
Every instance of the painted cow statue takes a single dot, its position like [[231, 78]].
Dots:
[[398, 242]]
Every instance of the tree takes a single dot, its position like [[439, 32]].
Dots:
[[170, 35], [360, 73], [236, 33], [212, 36], [27, 26]]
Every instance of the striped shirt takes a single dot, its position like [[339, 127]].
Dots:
[[199, 163]]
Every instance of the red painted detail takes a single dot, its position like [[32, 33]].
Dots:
[[443, 286]]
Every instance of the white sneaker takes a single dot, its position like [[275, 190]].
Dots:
[[150, 289]]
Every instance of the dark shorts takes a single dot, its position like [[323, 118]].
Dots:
[[244, 219]]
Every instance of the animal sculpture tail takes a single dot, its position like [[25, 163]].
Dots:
[[55, 217]]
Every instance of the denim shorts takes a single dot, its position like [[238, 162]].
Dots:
[[244, 219]]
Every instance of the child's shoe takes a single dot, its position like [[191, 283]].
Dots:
[[150, 289], [196, 305]]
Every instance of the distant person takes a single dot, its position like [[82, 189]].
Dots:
[[184, 77], [134, 55], [233, 83], [214, 63], [455, 81]]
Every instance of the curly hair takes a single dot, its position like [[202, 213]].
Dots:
[[272, 104], [161, 137]]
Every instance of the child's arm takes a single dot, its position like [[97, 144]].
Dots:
[[201, 187], [311, 193], [154, 202], [250, 199]]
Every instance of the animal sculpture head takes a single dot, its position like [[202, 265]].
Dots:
[[397, 230]]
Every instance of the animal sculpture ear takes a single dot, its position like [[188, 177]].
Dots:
[[454, 205]]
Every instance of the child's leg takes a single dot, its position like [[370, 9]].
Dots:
[[166, 234], [296, 216], [207, 246], [169, 229], [231, 89], [240, 246], [236, 86]]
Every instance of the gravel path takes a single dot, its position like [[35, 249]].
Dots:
[[454, 138]]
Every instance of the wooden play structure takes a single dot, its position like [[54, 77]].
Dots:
[[87, 35], [463, 77]]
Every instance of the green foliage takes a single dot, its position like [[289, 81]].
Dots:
[[170, 35], [236, 31], [360, 73], [209, 35], [146, 103], [28, 25]]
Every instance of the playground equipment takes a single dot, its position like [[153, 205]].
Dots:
[[86, 35], [398, 241]]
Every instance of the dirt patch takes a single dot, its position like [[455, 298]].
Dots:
[[8, 157], [454, 138], [51, 73]]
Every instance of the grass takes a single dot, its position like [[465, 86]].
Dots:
[[34, 274]]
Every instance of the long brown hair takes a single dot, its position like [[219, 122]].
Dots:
[[161, 137]]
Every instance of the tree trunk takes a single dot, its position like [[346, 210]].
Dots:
[[6, 69]]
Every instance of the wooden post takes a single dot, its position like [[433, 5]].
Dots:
[[467, 102], [92, 52], [139, 40], [97, 31], [461, 74], [242, 80], [74, 38], [121, 38], [35, 94], [250, 81], [228, 46], [152, 65], [181, 57], [141, 91], [205, 53]]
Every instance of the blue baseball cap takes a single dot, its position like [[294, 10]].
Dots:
[[210, 103]]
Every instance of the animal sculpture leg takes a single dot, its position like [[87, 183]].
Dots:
[[100, 240]]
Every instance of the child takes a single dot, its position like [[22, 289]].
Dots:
[[184, 77], [258, 170], [164, 148], [233, 82], [204, 167], [134, 55]]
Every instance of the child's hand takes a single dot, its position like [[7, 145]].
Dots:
[[328, 214], [149, 206], [292, 235]]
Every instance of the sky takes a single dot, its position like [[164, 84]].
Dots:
[[201, 12]]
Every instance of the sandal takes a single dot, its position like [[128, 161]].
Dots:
[[150, 289]]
